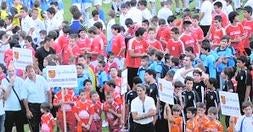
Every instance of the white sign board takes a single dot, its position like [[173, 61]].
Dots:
[[124, 83], [62, 76], [229, 104], [166, 91], [22, 58]]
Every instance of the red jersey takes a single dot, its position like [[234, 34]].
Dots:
[[234, 32], [113, 120], [109, 65], [47, 122], [198, 34], [84, 110], [97, 45], [163, 33], [190, 41], [175, 48], [97, 106], [248, 29], [63, 41], [69, 96], [131, 30], [213, 126], [8, 56], [155, 45], [190, 125], [118, 43], [224, 21], [103, 37], [216, 34], [69, 52], [57, 48], [137, 46], [84, 44]]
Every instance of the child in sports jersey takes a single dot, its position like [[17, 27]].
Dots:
[[67, 106], [110, 63], [157, 65], [247, 24], [97, 44], [213, 125], [113, 113], [236, 32], [83, 112], [114, 91], [178, 87], [198, 84], [211, 95], [190, 114], [163, 32], [196, 30], [71, 50], [175, 121], [200, 118], [97, 106], [84, 42], [187, 37], [219, 12], [190, 97], [174, 46], [144, 66], [152, 41], [101, 79], [47, 119], [216, 32]]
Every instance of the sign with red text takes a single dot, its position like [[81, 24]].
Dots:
[[229, 103], [62, 76]]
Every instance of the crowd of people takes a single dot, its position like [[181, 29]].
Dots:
[[199, 52]]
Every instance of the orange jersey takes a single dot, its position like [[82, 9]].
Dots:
[[190, 126], [176, 124], [47, 122], [213, 126], [232, 123], [199, 121]]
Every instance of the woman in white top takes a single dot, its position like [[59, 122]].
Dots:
[[143, 110]]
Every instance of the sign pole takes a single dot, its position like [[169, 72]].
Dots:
[[63, 111]]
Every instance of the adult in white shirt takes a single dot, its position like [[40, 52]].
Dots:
[[95, 18], [35, 91], [206, 15], [146, 14], [122, 16], [134, 13], [59, 14], [37, 24], [245, 122], [4, 45], [12, 106], [165, 11], [2, 113], [143, 109], [26, 24], [186, 70]]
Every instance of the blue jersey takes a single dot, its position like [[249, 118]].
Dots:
[[209, 63], [141, 73], [80, 80], [102, 78], [157, 66]]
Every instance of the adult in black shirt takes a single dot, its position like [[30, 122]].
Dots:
[[44, 51], [244, 80]]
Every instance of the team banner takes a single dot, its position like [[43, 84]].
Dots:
[[124, 83], [166, 91], [22, 58], [62, 76], [229, 103]]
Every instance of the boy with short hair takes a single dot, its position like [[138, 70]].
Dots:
[[190, 97], [200, 118], [101, 79], [84, 42], [196, 30], [209, 61], [244, 123], [80, 78], [198, 84], [211, 95], [152, 41], [218, 11], [175, 121], [158, 66], [247, 24], [174, 46], [144, 66], [190, 114], [213, 124], [47, 119]]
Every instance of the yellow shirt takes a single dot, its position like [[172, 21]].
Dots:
[[16, 21], [4, 14], [40, 13]]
